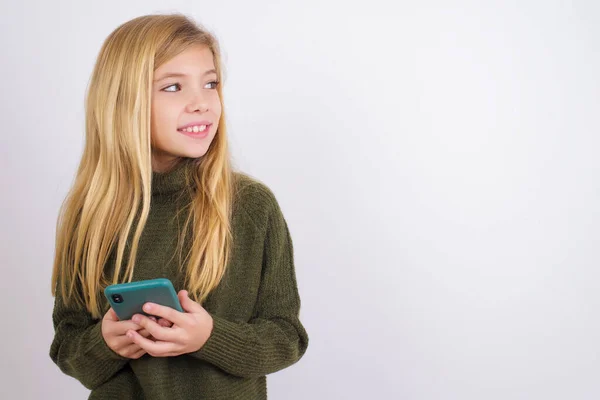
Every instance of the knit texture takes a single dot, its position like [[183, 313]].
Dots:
[[255, 308]]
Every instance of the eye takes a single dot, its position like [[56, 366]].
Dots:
[[214, 83], [173, 85]]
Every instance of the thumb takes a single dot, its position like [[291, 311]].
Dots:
[[188, 304], [111, 315]]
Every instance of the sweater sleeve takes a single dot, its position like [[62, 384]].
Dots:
[[78, 347], [275, 338]]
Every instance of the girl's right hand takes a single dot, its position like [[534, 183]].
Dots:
[[113, 332]]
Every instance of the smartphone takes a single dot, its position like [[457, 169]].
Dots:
[[127, 299]]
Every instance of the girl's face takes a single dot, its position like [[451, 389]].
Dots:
[[185, 107]]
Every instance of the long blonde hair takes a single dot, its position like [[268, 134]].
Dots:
[[112, 187]]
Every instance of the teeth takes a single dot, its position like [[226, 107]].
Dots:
[[195, 129]]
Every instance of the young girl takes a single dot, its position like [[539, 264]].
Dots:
[[155, 196]]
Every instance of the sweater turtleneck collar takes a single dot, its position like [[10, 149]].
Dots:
[[173, 180]]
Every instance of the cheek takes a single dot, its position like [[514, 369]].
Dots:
[[216, 107], [164, 117]]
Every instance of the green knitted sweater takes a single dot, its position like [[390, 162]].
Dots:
[[255, 309]]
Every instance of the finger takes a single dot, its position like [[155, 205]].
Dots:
[[121, 327], [144, 332], [157, 331], [157, 349], [188, 304], [120, 342], [111, 315], [165, 323], [130, 349], [137, 355], [168, 313], [152, 318]]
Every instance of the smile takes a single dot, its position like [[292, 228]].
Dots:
[[195, 128]]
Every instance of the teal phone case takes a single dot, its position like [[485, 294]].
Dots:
[[127, 299]]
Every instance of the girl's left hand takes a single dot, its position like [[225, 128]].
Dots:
[[190, 329]]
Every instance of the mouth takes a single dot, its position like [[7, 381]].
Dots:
[[196, 131], [195, 128]]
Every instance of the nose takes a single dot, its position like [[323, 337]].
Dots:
[[197, 103]]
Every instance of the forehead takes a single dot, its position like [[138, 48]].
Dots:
[[193, 60]]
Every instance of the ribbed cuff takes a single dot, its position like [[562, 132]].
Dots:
[[225, 346]]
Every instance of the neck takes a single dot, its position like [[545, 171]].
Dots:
[[162, 163], [172, 179]]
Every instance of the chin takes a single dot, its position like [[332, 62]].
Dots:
[[186, 149], [194, 154]]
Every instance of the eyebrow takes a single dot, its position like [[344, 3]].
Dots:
[[180, 75]]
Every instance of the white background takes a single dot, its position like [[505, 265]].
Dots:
[[436, 162]]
